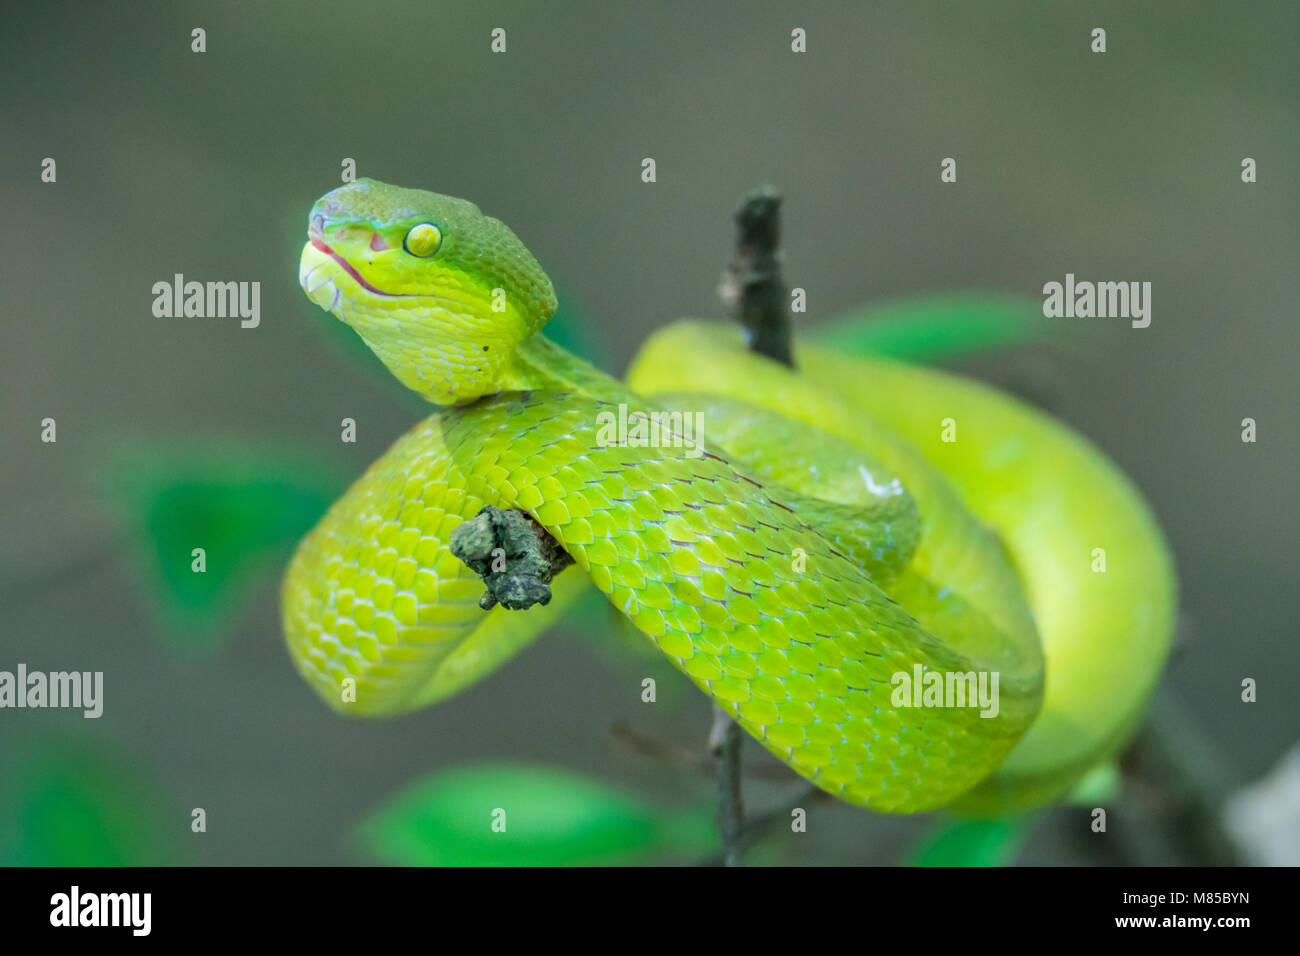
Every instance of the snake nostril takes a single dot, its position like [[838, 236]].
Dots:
[[317, 223]]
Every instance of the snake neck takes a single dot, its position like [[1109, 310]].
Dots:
[[538, 364]]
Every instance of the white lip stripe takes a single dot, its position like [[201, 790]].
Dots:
[[320, 281], [305, 275]]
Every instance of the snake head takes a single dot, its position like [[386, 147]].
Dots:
[[440, 292]]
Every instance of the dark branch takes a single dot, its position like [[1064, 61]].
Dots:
[[752, 288], [515, 556], [753, 291], [684, 758], [724, 746]]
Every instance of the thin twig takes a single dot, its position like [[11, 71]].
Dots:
[[724, 745], [1194, 782], [685, 758], [760, 823], [753, 291]]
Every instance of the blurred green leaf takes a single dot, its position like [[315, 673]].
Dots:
[[964, 842], [552, 818], [1100, 785], [68, 803], [934, 328], [243, 505]]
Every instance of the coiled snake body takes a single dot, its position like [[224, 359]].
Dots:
[[823, 541]]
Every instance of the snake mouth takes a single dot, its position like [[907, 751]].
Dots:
[[324, 247], [321, 253]]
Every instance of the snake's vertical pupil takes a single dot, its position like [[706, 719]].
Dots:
[[423, 240]]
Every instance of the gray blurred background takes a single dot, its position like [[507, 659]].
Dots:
[[1117, 166]]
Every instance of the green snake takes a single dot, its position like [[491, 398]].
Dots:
[[834, 531]]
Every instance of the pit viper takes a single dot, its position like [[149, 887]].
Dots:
[[839, 539]]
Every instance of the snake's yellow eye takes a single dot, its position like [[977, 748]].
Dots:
[[423, 240]]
